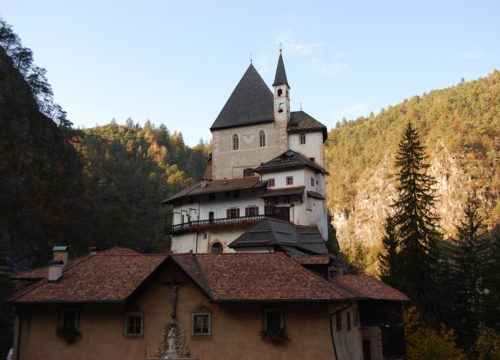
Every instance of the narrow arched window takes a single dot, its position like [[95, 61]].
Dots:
[[236, 142], [280, 92], [262, 138]]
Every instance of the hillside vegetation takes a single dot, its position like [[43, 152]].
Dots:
[[459, 127]]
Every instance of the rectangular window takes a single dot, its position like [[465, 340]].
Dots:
[[273, 319], [312, 182], [270, 182], [252, 211], [200, 323], [289, 180], [302, 138], [338, 320], [233, 213], [134, 322], [69, 320]]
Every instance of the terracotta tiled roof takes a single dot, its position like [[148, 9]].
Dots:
[[219, 185], [312, 259], [116, 275], [264, 277], [109, 276], [367, 287]]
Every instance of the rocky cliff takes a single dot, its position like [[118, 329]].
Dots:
[[460, 128]]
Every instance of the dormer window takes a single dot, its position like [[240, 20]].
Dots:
[[236, 142], [262, 138]]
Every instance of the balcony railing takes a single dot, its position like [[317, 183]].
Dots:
[[204, 225]]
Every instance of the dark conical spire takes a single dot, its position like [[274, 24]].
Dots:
[[280, 78]]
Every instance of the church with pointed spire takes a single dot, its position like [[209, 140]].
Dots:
[[266, 171]]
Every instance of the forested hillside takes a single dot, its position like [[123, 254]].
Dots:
[[459, 127], [100, 186]]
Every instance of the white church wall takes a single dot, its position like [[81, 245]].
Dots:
[[313, 148]]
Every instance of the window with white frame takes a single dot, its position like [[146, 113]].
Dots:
[[236, 142], [201, 323], [262, 138], [289, 180], [133, 323], [270, 182]]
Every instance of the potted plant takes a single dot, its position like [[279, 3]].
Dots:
[[68, 334], [276, 336]]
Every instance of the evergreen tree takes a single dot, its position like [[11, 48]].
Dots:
[[388, 259], [468, 256], [492, 281], [415, 224]]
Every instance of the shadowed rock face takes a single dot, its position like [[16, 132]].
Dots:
[[40, 171]]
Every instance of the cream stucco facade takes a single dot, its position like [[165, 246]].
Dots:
[[235, 329]]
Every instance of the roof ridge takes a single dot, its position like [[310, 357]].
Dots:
[[203, 277]]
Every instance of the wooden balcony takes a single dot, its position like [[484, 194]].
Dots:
[[233, 222]]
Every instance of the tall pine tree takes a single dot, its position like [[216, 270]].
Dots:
[[413, 250], [388, 260], [468, 259]]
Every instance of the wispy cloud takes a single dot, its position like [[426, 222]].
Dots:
[[331, 67], [353, 111], [474, 55], [287, 39]]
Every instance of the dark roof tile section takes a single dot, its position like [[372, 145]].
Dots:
[[367, 287], [280, 77], [189, 264], [250, 103], [264, 277], [104, 277], [281, 234], [315, 195], [300, 121], [219, 185], [291, 190], [289, 160]]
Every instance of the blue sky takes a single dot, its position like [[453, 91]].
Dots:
[[177, 62]]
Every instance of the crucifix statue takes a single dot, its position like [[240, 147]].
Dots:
[[174, 285]]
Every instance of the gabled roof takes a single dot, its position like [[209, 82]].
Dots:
[[250, 103], [367, 287], [219, 185], [301, 122], [258, 277], [289, 160], [263, 277], [107, 276], [280, 77], [281, 234]]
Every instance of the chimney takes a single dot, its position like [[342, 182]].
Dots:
[[55, 269], [204, 182], [61, 253]]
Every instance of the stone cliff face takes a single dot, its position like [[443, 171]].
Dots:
[[363, 219]]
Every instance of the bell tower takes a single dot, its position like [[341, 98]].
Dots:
[[281, 102]]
